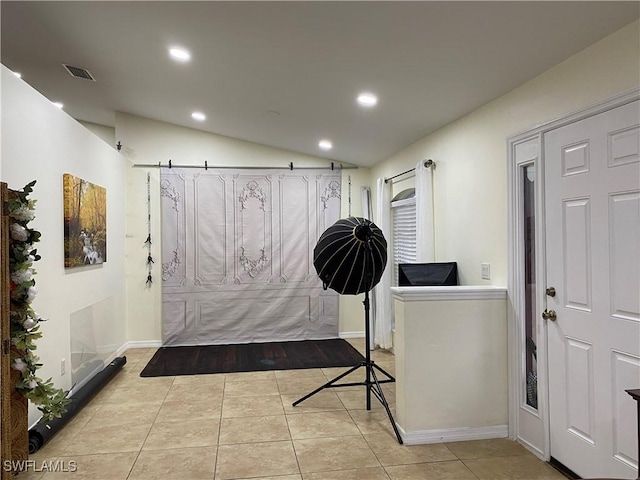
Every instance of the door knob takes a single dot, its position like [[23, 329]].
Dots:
[[551, 291], [549, 315]]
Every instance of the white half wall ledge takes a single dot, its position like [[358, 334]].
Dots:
[[453, 434], [458, 292]]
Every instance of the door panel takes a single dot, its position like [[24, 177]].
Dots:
[[576, 245], [624, 211], [592, 215]]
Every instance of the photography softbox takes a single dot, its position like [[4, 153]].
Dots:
[[350, 257]]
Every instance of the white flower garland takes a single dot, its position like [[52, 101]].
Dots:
[[25, 322]]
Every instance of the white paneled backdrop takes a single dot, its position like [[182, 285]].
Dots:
[[237, 255]]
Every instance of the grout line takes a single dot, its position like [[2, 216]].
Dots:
[[293, 445], [215, 465]]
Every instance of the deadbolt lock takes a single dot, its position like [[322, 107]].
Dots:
[[549, 315], [551, 291]]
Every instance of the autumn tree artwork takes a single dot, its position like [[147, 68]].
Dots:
[[85, 222]]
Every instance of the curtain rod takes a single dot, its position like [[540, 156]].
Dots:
[[206, 166], [427, 164]]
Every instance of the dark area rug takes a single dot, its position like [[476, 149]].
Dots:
[[252, 357]]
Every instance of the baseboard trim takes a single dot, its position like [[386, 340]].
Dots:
[[359, 334], [422, 437], [533, 449], [138, 344]]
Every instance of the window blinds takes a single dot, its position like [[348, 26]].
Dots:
[[404, 234]]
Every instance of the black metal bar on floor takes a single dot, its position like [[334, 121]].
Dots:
[[42, 432]]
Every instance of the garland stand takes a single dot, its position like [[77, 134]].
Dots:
[[14, 413]]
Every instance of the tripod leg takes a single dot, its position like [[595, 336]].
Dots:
[[383, 401], [369, 386], [367, 348], [329, 384], [388, 375]]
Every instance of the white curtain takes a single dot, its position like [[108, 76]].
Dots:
[[237, 249], [383, 306], [424, 214]]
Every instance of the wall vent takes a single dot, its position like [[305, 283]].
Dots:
[[79, 72]]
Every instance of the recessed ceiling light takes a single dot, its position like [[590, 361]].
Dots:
[[199, 116], [19, 75], [325, 144], [367, 99], [58, 104], [179, 54]]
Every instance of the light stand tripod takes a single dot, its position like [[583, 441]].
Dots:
[[371, 380]]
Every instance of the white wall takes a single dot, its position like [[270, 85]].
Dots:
[[470, 179], [147, 141], [41, 142], [103, 132]]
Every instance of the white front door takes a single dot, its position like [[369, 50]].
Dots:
[[592, 211]]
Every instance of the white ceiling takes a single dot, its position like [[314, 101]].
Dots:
[[429, 62]]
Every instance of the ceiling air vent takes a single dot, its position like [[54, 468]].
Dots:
[[78, 72]]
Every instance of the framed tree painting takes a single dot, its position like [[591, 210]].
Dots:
[[85, 222]]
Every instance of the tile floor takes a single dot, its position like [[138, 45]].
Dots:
[[242, 425]]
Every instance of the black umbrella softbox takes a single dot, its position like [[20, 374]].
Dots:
[[341, 255]]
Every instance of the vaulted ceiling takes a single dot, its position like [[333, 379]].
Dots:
[[286, 74]]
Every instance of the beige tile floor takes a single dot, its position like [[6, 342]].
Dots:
[[242, 425]]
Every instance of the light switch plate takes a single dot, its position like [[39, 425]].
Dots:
[[486, 271]]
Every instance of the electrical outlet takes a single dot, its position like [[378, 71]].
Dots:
[[486, 271], [63, 366]]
